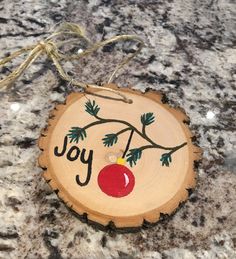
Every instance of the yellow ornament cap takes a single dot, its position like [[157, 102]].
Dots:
[[120, 161]]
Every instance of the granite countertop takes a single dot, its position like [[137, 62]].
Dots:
[[190, 56]]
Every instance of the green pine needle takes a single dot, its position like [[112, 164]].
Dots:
[[133, 156], [75, 134], [166, 159], [147, 118], [92, 108], [110, 139]]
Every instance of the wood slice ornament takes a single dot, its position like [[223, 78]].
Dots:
[[118, 162], [109, 159]]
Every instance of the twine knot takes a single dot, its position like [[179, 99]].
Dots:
[[51, 49]]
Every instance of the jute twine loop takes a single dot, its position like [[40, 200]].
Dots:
[[50, 48]]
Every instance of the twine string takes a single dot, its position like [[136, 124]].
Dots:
[[51, 48]]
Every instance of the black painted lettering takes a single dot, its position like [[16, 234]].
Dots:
[[70, 156], [56, 153], [87, 161], [73, 154]]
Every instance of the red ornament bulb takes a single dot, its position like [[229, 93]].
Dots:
[[116, 180]]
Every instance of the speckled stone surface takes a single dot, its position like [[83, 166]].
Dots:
[[190, 56]]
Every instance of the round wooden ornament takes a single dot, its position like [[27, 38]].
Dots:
[[118, 162]]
